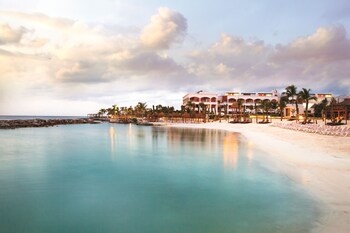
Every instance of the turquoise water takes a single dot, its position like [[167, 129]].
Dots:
[[127, 178]]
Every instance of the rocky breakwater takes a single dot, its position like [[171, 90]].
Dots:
[[13, 124]]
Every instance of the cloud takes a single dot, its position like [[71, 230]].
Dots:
[[90, 54], [144, 63], [231, 62], [74, 61], [318, 61], [231, 54], [10, 35], [166, 27], [82, 72], [326, 44], [38, 19], [59, 58]]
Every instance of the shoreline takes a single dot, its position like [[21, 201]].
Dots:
[[320, 163]]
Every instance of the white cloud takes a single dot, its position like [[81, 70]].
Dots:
[[166, 27], [38, 19], [66, 59], [82, 72], [326, 44], [10, 35], [71, 60], [318, 61], [144, 63]]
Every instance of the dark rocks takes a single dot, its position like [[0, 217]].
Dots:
[[13, 124]]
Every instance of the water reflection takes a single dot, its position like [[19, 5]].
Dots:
[[230, 151], [156, 135], [305, 177], [130, 134], [112, 136], [180, 138], [250, 152], [174, 184]]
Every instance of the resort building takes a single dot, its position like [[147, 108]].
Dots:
[[228, 101], [290, 109], [340, 110], [233, 102], [247, 100], [209, 99]]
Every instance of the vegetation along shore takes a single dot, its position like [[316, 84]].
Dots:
[[13, 124]]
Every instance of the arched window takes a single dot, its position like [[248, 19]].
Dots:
[[205, 99]]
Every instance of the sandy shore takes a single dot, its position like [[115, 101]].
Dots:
[[321, 163]]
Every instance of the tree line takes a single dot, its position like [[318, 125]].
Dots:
[[190, 109], [139, 110]]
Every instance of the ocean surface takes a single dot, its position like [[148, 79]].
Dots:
[[128, 178]]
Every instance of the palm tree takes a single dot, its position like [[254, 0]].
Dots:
[[304, 95], [323, 104], [110, 111], [240, 104], [274, 106], [159, 108], [282, 104], [130, 111], [256, 111], [125, 110], [331, 107], [140, 108], [190, 106], [203, 109], [115, 109], [292, 93], [102, 112], [266, 106]]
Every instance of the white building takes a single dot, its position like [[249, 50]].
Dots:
[[209, 99], [290, 109], [248, 99]]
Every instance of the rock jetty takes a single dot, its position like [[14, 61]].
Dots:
[[13, 124]]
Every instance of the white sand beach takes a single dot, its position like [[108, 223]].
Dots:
[[321, 163]]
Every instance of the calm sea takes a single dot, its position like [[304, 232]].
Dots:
[[128, 178]]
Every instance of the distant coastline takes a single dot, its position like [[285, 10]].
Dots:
[[41, 122], [31, 117]]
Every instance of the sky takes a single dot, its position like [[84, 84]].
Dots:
[[75, 57]]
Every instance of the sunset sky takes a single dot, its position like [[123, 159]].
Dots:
[[75, 57]]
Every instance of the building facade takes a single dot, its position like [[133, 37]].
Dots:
[[248, 100], [209, 99], [229, 102], [290, 109]]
